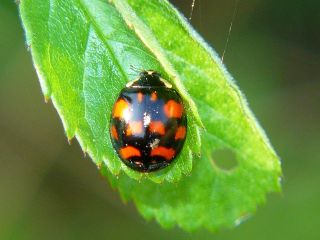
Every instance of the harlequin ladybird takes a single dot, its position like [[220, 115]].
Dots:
[[148, 124]]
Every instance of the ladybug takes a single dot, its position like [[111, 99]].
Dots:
[[148, 124]]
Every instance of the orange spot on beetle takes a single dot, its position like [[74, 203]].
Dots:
[[114, 133], [157, 127], [154, 96], [120, 108], [180, 133], [140, 97], [128, 152], [134, 128], [172, 109], [167, 153]]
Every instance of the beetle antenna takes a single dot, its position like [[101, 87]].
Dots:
[[135, 69]]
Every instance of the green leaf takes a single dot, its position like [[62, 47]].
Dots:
[[82, 51]]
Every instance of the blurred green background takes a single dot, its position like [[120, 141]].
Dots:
[[49, 190]]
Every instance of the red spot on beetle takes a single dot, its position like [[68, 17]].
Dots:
[[154, 96], [140, 97], [134, 128], [114, 133], [129, 151], [157, 127], [172, 109], [180, 133], [167, 153], [120, 108]]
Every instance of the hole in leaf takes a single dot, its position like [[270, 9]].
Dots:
[[225, 159]]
